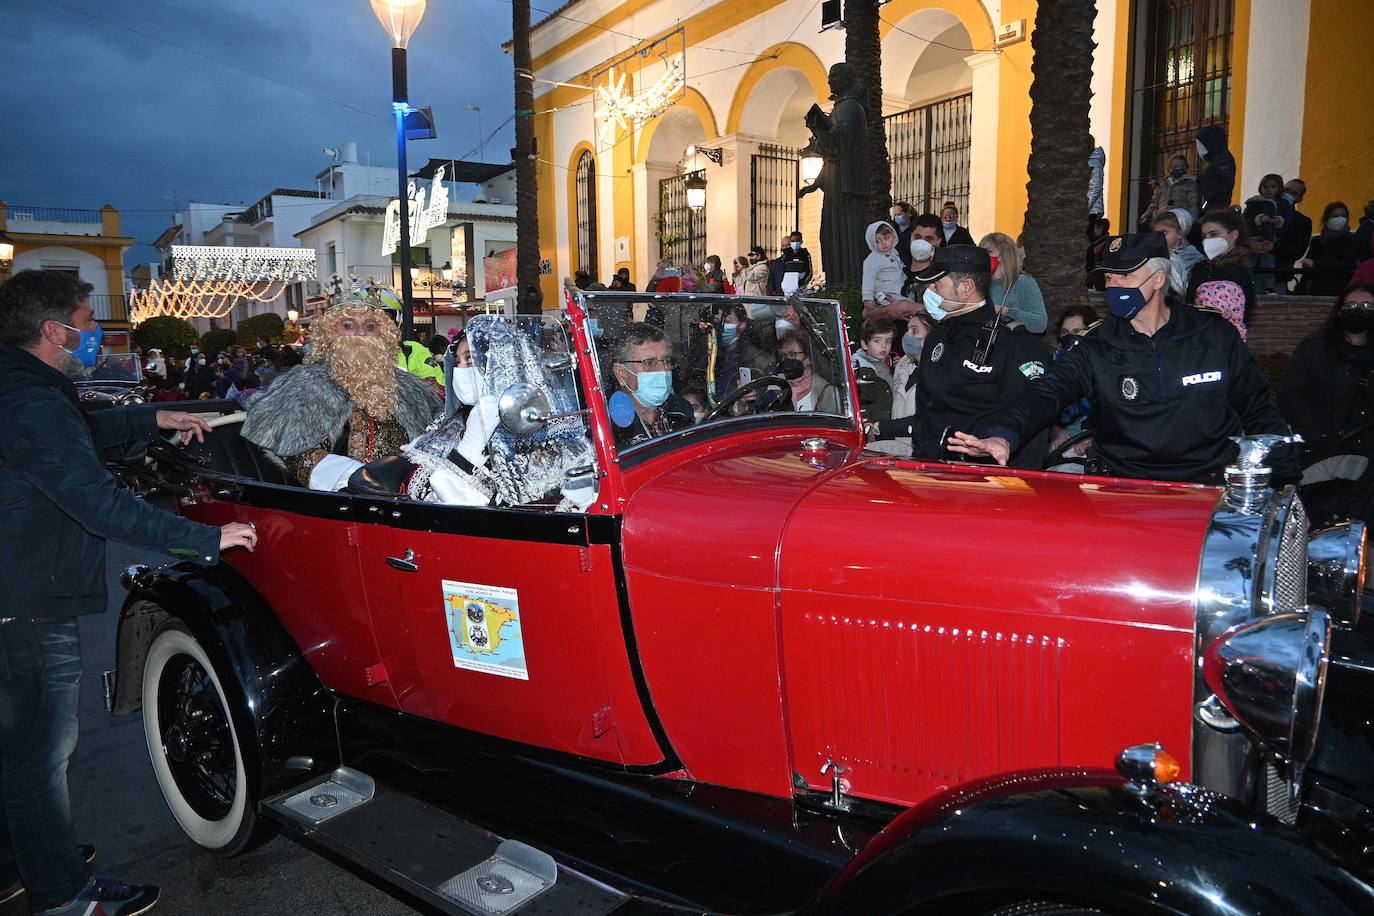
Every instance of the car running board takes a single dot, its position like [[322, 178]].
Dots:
[[424, 851]]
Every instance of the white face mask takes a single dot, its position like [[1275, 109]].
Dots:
[[1337, 223], [1201, 150], [921, 250], [1215, 248], [467, 384]]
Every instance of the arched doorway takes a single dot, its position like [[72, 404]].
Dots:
[[678, 232], [775, 114], [929, 119]]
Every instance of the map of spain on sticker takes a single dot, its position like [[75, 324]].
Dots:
[[484, 629]]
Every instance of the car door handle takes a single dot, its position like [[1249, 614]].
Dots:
[[404, 563]]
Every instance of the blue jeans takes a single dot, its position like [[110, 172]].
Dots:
[[40, 670]]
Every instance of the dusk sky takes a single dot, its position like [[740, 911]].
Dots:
[[96, 113]]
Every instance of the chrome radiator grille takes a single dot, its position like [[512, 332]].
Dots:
[[1277, 799], [1290, 573]]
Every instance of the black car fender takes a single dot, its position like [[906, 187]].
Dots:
[[1089, 837], [280, 709]]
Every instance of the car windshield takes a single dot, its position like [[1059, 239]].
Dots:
[[116, 367], [673, 362], [540, 446]]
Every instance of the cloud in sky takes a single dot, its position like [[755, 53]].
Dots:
[[95, 113]]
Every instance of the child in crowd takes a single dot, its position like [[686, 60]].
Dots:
[[1182, 255], [883, 274], [872, 369]]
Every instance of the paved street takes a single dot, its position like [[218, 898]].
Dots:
[[118, 807]]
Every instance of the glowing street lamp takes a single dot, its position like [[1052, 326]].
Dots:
[[292, 315], [696, 190], [447, 271], [811, 164], [400, 18]]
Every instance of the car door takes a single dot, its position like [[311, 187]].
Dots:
[[507, 621]]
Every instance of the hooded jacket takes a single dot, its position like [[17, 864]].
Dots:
[[883, 271], [1217, 182], [59, 504], [1163, 406]]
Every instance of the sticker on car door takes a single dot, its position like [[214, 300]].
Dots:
[[484, 629]]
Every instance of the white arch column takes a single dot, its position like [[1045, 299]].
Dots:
[[982, 196]]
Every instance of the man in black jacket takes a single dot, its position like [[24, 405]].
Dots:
[[1169, 384], [61, 505], [973, 362]]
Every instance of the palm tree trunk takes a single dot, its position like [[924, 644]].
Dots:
[[526, 178], [1057, 193], [863, 50]]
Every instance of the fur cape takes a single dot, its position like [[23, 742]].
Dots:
[[305, 407]]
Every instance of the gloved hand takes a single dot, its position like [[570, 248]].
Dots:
[[482, 422], [332, 472]]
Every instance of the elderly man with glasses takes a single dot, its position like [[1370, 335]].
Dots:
[[645, 407]]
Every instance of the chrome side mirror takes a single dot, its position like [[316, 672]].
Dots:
[[524, 409]]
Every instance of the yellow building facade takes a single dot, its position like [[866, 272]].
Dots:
[[1281, 76], [88, 243]]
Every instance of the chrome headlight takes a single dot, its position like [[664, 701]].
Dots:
[[1335, 570], [1271, 673]]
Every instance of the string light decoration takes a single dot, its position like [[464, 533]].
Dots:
[[209, 281]]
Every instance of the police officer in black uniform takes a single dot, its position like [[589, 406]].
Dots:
[[973, 363], [1169, 384]]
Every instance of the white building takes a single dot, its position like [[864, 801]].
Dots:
[[449, 277]]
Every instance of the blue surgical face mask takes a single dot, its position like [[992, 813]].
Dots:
[[594, 327], [951, 224], [903, 222], [654, 388], [796, 246], [934, 303], [1289, 197], [911, 345], [1125, 302], [88, 348], [728, 333]]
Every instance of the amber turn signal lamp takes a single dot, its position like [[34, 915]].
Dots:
[[1147, 765]]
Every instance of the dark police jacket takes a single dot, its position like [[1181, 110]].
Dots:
[[956, 390], [1164, 406], [58, 502]]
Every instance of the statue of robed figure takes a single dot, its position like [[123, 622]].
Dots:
[[841, 138]]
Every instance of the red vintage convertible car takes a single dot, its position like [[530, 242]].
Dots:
[[766, 670]]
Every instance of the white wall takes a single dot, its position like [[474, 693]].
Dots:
[[89, 267], [1274, 103]]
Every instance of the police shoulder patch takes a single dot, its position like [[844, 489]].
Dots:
[[1032, 369]]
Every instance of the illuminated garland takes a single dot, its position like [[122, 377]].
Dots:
[[621, 110], [208, 281]]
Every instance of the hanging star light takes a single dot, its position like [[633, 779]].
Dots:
[[620, 109]]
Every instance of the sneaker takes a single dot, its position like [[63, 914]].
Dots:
[[16, 890], [107, 897]]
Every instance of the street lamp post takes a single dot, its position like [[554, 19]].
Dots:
[[400, 18]]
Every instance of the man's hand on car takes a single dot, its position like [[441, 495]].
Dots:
[[190, 425], [238, 534], [997, 447]]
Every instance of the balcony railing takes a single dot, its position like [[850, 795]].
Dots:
[[108, 307], [19, 212]]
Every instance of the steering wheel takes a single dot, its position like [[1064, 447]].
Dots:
[[1060, 455], [758, 384]]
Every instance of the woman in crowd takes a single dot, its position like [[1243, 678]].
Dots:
[[1183, 257], [739, 267], [1177, 190], [1265, 216], [1327, 385], [712, 277], [1332, 255], [1013, 292], [1227, 260], [810, 391]]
